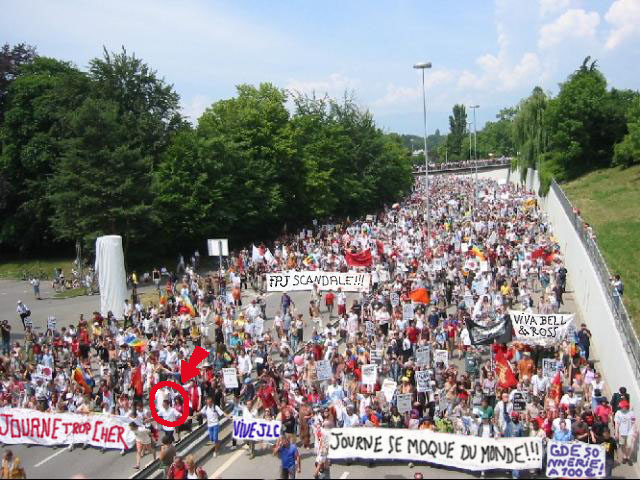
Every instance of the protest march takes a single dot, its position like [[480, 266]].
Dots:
[[449, 346]]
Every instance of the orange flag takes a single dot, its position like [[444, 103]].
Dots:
[[556, 388], [420, 295]]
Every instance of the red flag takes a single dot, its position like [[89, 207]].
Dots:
[[420, 295], [136, 381], [542, 253], [380, 247], [556, 388], [504, 373], [362, 259]]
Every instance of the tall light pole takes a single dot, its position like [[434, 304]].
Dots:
[[423, 66], [475, 154]]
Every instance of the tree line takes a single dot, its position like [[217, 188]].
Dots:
[[107, 151]]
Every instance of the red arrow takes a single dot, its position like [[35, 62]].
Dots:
[[189, 369]]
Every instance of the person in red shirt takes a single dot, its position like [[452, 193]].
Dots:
[[413, 332], [265, 394], [329, 298], [85, 343], [178, 469]]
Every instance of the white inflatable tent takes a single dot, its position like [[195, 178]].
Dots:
[[111, 275]]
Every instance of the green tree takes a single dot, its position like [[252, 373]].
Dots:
[[37, 104], [528, 130], [458, 129], [627, 152], [11, 60]]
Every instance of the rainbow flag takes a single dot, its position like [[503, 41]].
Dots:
[[309, 261], [189, 305], [135, 342], [478, 253], [83, 379]]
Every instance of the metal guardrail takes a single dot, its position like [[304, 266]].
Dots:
[[466, 165], [620, 314]]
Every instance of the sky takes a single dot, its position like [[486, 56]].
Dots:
[[490, 53]]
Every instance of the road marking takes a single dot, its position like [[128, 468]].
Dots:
[[228, 463], [344, 475], [62, 450]]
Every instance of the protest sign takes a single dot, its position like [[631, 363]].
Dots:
[[259, 326], [404, 402], [369, 328], [230, 377], [465, 452], [376, 355], [256, 429], [423, 381], [423, 355], [24, 426], [297, 281], [43, 373], [519, 401], [468, 302], [541, 329], [407, 312], [441, 356], [388, 389], [395, 299], [323, 370], [575, 460], [369, 374], [549, 367]]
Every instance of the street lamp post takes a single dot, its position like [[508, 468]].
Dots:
[[422, 66], [475, 154]]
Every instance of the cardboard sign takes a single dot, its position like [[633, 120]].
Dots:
[[376, 356], [389, 389], [403, 402], [549, 367], [575, 460], [395, 299], [407, 312], [423, 355], [230, 377], [519, 401], [369, 374], [458, 451], [423, 381], [441, 356], [323, 370]]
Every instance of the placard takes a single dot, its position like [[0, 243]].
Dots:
[[423, 355], [549, 367], [441, 356], [323, 370], [299, 281], [388, 389], [423, 381], [407, 312], [575, 460], [369, 328], [43, 373], [230, 377], [369, 374], [256, 429], [519, 401], [458, 451], [376, 355], [403, 402], [395, 299]]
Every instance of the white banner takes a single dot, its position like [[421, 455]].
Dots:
[[256, 429], [540, 329], [230, 377], [468, 453], [296, 281], [24, 426], [575, 460]]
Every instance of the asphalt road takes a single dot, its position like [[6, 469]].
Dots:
[[47, 462]]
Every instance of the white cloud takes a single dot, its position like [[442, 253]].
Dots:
[[624, 16], [335, 85], [398, 94], [497, 73], [572, 24], [193, 108], [548, 7]]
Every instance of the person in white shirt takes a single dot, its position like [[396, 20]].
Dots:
[[540, 384], [349, 418], [213, 413], [624, 420], [170, 414]]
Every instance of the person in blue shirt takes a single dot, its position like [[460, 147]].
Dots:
[[289, 457], [563, 434]]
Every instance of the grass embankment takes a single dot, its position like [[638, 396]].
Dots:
[[609, 200], [16, 269]]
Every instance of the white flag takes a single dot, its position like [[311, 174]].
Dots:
[[255, 256]]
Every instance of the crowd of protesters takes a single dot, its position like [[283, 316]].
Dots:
[[475, 266]]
